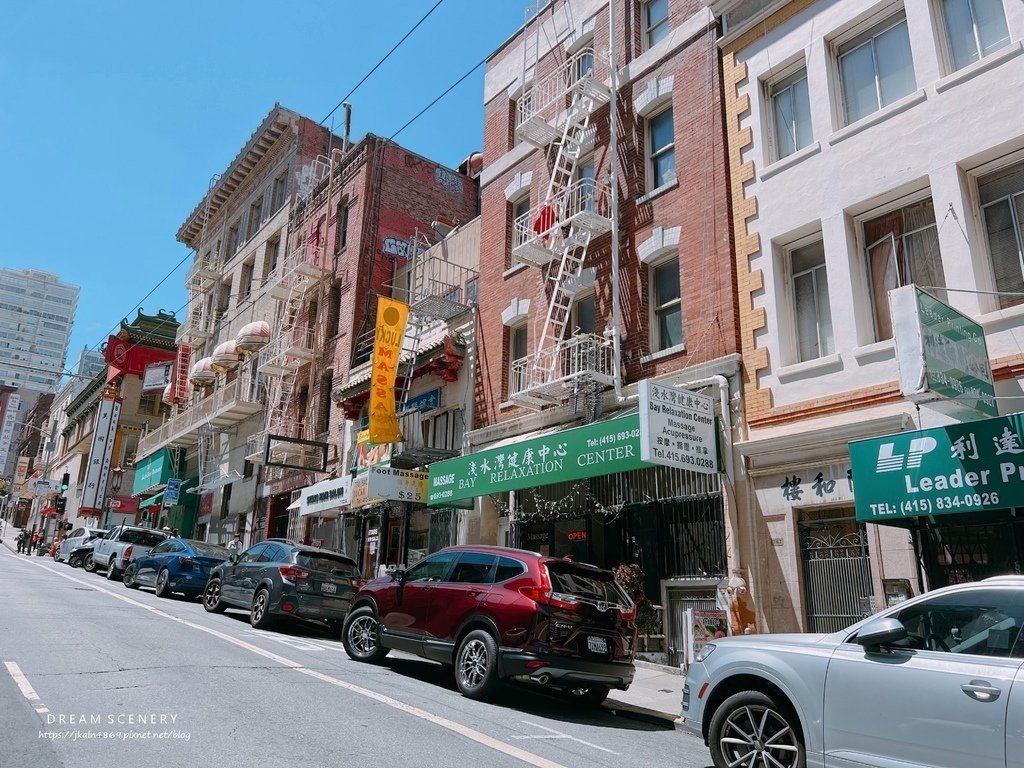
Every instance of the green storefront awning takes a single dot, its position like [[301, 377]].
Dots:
[[153, 472], [152, 500], [962, 467], [603, 448]]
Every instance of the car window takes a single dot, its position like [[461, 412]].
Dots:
[[432, 568], [77, 532], [982, 622], [274, 553], [252, 554], [339, 566], [474, 568], [208, 550], [508, 569], [143, 538], [586, 583], [166, 546]]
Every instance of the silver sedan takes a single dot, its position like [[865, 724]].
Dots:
[[934, 681]]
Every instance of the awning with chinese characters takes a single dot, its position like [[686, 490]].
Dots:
[[962, 467]]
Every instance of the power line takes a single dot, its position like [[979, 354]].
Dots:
[[447, 90], [386, 57]]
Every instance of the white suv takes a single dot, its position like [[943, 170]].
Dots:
[[76, 538]]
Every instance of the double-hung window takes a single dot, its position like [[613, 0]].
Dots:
[[255, 218], [876, 68], [656, 26], [518, 363], [974, 29], [791, 114], [666, 307], [902, 248], [813, 314], [1002, 206], [661, 150]]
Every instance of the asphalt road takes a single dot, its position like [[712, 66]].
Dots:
[[95, 674]]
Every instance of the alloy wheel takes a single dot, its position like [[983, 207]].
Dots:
[[757, 735], [473, 661], [362, 635]]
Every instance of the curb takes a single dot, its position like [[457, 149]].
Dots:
[[658, 667], [643, 713]]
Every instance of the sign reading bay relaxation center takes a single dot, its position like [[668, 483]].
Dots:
[[572, 454], [963, 467]]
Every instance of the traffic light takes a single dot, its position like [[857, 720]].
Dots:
[[61, 504], [64, 483]]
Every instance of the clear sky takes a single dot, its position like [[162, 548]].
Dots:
[[115, 115]]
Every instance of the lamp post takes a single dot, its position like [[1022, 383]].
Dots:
[[116, 478]]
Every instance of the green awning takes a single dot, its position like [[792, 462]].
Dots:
[[152, 500]]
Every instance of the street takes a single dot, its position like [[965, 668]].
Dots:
[[99, 675]]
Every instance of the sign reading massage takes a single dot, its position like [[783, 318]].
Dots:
[[677, 428], [572, 454], [966, 467]]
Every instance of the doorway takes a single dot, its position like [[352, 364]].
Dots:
[[837, 569]]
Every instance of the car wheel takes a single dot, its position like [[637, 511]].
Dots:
[[163, 589], [259, 614], [112, 572], [359, 636], [593, 696], [89, 565], [750, 728], [476, 665], [75, 561], [129, 576], [211, 597]]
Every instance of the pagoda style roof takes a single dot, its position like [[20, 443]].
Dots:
[[157, 330]]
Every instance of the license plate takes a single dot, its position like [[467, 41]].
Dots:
[[597, 644], [329, 589]]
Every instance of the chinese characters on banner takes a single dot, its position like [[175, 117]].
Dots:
[[387, 348], [104, 431]]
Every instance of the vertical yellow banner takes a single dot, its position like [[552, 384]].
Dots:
[[387, 348]]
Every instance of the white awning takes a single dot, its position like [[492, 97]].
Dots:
[[295, 504]]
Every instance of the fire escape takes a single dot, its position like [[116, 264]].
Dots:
[[554, 114]]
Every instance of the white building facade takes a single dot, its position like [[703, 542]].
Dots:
[[37, 311]]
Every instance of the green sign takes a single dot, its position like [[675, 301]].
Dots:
[[941, 352], [572, 454], [153, 470], [967, 467]]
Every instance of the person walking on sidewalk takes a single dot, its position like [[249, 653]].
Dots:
[[21, 541], [35, 542]]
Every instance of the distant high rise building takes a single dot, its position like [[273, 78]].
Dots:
[[37, 311]]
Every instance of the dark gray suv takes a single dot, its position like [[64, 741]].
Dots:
[[282, 578]]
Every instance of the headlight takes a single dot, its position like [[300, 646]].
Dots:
[[704, 652]]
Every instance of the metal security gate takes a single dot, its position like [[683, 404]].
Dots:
[[837, 570], [678, 600]]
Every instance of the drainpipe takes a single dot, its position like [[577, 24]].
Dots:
[[613, 146]]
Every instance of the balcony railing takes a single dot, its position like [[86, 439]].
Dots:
[[547, 377], [582, 207], [287, 351], [541, 110], [227, 406]]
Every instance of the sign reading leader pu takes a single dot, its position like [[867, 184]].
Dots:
[[962, 467]]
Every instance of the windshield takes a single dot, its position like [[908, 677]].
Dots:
[[339, 566], [587, 584]]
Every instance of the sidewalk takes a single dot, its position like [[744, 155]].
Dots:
[[656, 692]]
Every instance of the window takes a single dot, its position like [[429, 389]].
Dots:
[[245, 281], [981, 622], [586, 179], [522, 109], [810, 300], [584, 315], [791, 114], [432, 568], [253, 554], [903, 248], [225, 501], [271, 256], [247, 469], [508, 569], [1002, 205], [474, 568], [147, 406], [876, 68], [661, 155], [234, 237], [519, 225], [583, 63], [255, 218], [667, 328], [342, 226], [473, 290], [974, 29], [277, 195], [517, 359], [656, 26]]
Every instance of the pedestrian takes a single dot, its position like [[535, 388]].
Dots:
[[35, 542], [175, 534], [235, 545], [21, 542]]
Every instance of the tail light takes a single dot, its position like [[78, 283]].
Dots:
[[293, 573], [628, 614], [186, 563], [359, 583], [543, 594], [127, 553]]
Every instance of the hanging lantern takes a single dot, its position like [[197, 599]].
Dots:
[[202, 373], [226, 355], [253, 336]]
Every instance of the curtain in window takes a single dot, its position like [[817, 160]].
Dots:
[[1002, 200]]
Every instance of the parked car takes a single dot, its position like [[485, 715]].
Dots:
[[81, 555], [495, 613], [118, 545], [76, 538], [934, 681], [175, 565], [282, 578]]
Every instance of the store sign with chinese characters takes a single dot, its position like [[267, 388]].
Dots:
[[961, 467], [677, 428], [823, 483]]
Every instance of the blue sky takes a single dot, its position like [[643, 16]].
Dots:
[[116, 114]]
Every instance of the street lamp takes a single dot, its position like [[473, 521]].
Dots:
[[116, 478]]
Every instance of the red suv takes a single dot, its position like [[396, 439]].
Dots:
[[501, 614]]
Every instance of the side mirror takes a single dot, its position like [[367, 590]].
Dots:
[[398, 575], [884, 631]]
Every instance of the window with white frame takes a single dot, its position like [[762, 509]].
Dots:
[[655, 21], [519, 225], [876, 68], [661, 154], [666, 306], [517, 357], [811, 309], [791, 114], [902, 248], [1002, 205], [586, 185], [584, 315], [583, 62], [974, 29]]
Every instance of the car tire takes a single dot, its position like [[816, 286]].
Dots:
[[75, 561], [751, 723], [593, 696], [129, 576], [360, 636], [211, 597], [112, 572], [89, 565], [163, 587], [259, 613], [476, 665]]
